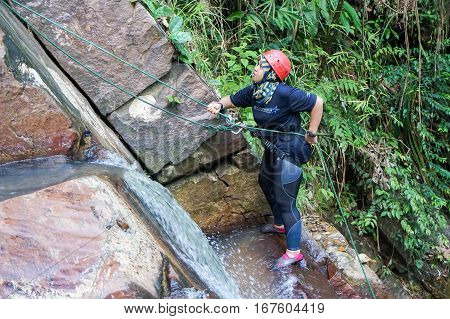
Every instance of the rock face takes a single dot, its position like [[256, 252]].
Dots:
[[341, 286], [433, 277], [226, 199], [78, 239], [32, 122], [31, 66], [116, 25], [158, 138], [216, 148]]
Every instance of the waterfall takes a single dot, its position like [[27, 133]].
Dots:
[[180, 234]]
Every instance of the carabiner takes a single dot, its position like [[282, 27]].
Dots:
[[238, 131]]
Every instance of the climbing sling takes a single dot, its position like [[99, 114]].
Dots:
[[271, 147]]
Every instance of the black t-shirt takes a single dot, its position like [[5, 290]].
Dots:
[[282, 113], [284, 107]]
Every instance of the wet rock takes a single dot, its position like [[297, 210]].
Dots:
[[32, 123], [64, 241], [343, 257], [245, 160], [341, 286], [176, 287], [226, 199], [160, 139], [119, 27], [177, 235], [250, 256]]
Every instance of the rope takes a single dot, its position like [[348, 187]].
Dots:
[[117, 86], [228, 119], [58, 25], [330, 181]]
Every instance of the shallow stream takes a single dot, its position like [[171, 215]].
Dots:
[[249, 257]]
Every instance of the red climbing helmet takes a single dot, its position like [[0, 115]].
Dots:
[[279, 62]]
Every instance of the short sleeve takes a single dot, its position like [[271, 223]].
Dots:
[[301, 101], [243, 98]]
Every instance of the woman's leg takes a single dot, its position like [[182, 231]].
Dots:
[[266, 180], [285, 190]]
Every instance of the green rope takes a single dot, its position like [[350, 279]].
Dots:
[[232, 124], [330, 181], [119, 87], [110, 54]]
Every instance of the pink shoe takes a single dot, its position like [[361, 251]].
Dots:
[[285, 260]]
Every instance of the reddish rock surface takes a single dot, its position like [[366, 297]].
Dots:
[[66, 241], [340, 285], [226, 199], [31, 121]]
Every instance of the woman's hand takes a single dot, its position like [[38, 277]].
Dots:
[[214, 107], [311, 140]]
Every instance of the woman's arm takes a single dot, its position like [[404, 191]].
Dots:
[[215, 107], [316, 117]]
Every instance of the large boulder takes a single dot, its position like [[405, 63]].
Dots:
[[158, 138], [78, 239], [116, 25], [32, 123]]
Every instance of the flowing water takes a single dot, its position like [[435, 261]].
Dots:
[[24, 177], [249, 257], [182, 236]]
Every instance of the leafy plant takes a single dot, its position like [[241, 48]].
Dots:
[[179, 38], [173, 100]]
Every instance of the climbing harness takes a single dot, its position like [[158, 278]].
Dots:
[[233, 127], [271, 147]]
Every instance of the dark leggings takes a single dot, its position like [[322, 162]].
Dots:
[[280, 181]]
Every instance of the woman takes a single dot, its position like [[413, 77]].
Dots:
[[276, 106]]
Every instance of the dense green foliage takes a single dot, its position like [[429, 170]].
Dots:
[[383, 69]]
